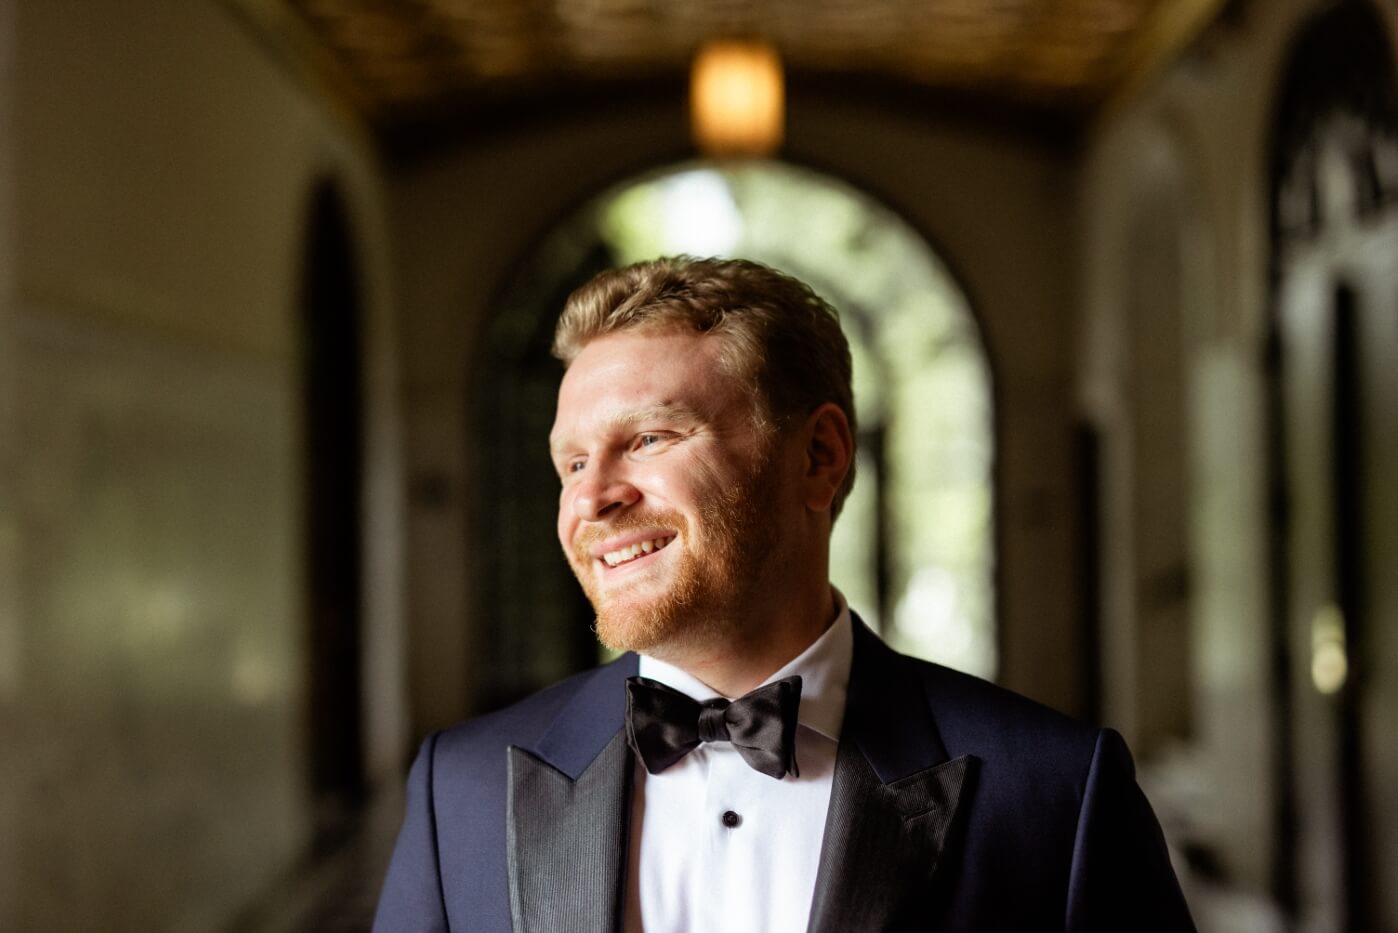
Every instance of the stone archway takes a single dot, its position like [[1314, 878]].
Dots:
[[923, 386]]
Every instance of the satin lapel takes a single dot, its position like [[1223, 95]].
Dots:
[[883, 843], [568, 812], [894, 801], [567, 841]]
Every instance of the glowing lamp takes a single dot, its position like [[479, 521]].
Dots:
[[737, 99]]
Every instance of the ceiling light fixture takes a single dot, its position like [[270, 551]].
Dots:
[[737, 98]]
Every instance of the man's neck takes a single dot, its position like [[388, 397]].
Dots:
[[758, 646]]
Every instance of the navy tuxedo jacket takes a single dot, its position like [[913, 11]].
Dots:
[[956, 806]]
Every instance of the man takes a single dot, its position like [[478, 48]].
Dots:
[[704, 438]]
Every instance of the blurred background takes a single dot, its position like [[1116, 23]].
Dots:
[[277, 282]]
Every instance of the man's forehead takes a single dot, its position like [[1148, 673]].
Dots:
[[632, 371]]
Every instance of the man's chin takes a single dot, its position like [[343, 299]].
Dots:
[[663, 614], [657, 628], [633, 628]]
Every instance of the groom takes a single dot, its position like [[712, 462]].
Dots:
[[758, 760]]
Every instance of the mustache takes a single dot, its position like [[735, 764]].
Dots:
[[627, 521]]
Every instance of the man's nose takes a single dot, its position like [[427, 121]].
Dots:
[[602, 493]]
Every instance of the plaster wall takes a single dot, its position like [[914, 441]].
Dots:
[[157, 168]]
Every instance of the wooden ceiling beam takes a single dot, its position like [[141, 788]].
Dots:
[[1079, 57]]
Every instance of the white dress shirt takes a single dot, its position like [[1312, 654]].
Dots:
[[717, 847]]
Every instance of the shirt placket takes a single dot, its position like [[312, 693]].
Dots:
[[728, 840]]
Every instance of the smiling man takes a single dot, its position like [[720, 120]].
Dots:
[[677, 514], [757, 760]]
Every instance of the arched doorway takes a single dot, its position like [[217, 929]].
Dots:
[[1333, 359], [332, 417], [914, 549]]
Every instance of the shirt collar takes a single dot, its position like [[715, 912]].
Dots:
[[824, 668]]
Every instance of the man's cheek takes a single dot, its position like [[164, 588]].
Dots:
[[566, 521]]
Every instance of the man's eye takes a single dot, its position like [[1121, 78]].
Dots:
[[574, 466], [645, 440]]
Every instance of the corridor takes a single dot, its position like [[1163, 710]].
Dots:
[[277, 284]]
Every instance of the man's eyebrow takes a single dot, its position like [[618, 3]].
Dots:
[[664, 412]]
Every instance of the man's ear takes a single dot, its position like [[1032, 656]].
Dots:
[[829, 452]]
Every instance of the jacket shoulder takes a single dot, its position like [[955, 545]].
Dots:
[[976, 717], [525, 722]]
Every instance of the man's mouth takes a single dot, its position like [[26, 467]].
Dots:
[[635, 551]]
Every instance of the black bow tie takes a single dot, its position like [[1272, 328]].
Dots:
[[664, 725]]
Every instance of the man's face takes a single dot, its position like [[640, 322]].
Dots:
[[670, 512]]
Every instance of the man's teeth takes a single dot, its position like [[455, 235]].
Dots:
[[622, 555]]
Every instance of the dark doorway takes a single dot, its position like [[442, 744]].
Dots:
[[1348, 482], [332, 419], [1334, 231]]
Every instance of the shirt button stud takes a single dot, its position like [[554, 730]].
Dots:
[[731, 819]]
